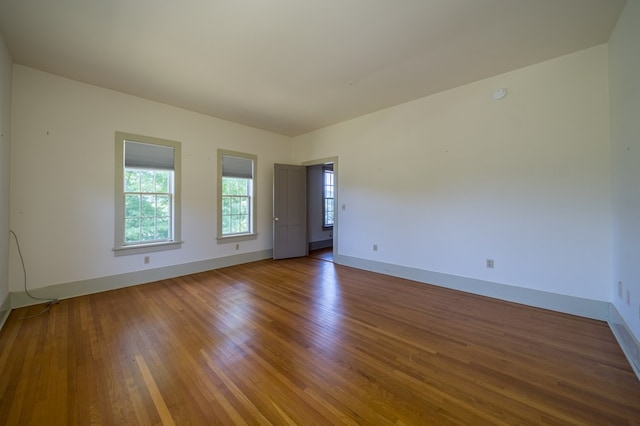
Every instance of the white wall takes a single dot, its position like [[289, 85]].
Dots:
[[62, 178], [5, 154], [624, 69], [445, 182]]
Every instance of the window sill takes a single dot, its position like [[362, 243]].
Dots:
[[146, 248], [236, 238]]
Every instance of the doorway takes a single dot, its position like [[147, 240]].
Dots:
[[320, 210], [305, 218]]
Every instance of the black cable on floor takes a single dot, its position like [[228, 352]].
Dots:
[[49, 302]]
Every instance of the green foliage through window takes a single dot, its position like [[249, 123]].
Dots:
[[236, 205], [147, 205]]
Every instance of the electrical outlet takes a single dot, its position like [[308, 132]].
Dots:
[[375, 247], [620, 289], [628, 297], [147, 259], [490, 263]]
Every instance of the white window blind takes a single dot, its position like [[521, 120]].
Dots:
[[237, 167], [148, 156]]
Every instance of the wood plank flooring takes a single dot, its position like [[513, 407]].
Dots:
[[307, 342]]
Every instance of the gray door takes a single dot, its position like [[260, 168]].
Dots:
[[289, 211]]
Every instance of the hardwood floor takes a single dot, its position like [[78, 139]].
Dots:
[[322, 254], [304, 341]]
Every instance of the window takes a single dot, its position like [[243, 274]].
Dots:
[[328, 202], [147, 194], [236, 196], [148, 205]]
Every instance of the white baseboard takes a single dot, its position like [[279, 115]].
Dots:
[[112, 282], [5, 310], [627, 341], [316, 245], [540, 299]]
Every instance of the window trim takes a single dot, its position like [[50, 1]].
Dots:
[[254, 199], [120, 247]]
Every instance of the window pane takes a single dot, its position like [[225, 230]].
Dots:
[[329, 218], [329, 192], [226, 206], [147, 183], [162, 182], [235, 186], [162, 228], [236, 212], [131, 230], [162, 206], [148, 206], [243, 186], [147, 229], [131, 205], [234, 206], [328, 209], [226, 224], [132, 181]]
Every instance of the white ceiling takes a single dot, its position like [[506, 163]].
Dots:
[[292, 66]]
